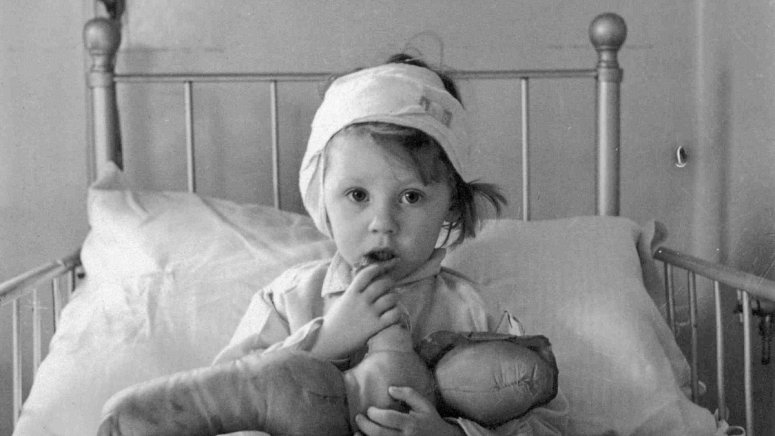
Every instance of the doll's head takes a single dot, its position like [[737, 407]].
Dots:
[[379, 126]]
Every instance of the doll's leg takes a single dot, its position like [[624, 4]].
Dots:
[[281, 393]]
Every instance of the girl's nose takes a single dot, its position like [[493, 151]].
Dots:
[[383, 219]]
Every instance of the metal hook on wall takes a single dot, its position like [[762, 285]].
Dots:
[[681, 156]]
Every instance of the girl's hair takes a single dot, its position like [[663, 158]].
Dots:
[[433, 165]]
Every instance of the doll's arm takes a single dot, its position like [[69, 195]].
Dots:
[[488, 377], [257, 392]]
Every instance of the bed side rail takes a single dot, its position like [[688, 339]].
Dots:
[[748, 286], [61, 276]]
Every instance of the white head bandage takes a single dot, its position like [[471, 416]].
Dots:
[[401, 94]]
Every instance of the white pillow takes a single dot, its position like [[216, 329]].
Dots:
[[168, 277], [580, 282]]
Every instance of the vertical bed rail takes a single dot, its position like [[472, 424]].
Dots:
[[17, 360], [720, 364], [275, 133], [188, 109], [694, 329], [747, 363], [525, 104], [670, 312]]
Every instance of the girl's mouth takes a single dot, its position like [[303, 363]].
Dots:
[[379, 256], [374, 256]]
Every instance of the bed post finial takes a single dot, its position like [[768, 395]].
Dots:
[[607, 33], [102, 37]]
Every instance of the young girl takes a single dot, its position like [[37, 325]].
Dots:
[[387, 175]]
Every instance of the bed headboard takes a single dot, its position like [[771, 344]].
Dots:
[[607, 33]]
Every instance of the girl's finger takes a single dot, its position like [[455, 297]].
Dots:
[[386, 302], [412, 398], [369, 273], [392, 316], [380, 287]]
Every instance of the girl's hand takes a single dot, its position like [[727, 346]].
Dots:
[[422, 419], [365, 308]]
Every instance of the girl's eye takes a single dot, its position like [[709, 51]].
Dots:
[[357, 195], [411, 197]]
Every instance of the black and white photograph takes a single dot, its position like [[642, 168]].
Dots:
[[387, 217]]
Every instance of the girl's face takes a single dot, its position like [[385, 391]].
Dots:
[[377, 205]]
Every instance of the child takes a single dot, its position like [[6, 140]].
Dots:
[[387, 175]]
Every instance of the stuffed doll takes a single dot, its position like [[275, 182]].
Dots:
[[486, 377]]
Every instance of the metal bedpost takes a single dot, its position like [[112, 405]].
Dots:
[[607, 33], [102, 37]]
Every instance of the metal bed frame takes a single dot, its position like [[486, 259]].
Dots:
[[607, 33]]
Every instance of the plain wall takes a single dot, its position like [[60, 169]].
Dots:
[[697, 74], [42, 148], [737, 72]]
